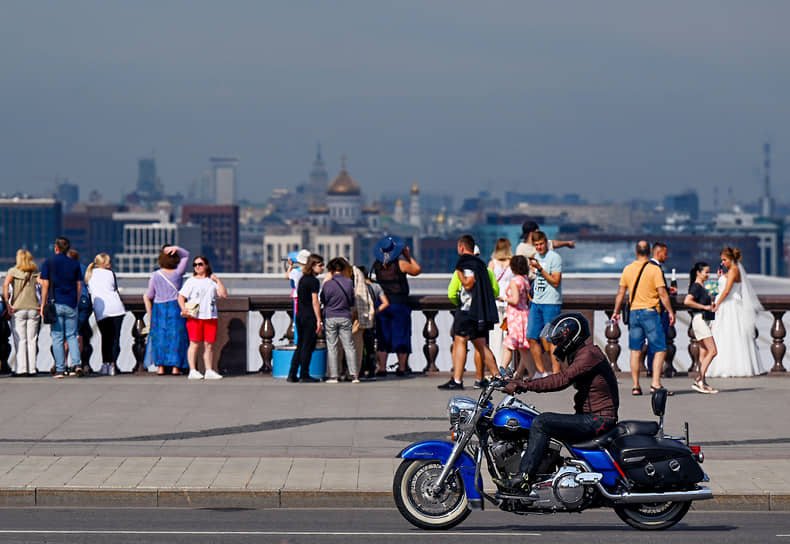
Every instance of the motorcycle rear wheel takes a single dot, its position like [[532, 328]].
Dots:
[[415, 502], [652, 516]]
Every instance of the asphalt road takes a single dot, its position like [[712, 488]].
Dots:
[[365, 526]]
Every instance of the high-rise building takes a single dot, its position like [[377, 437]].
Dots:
[[28, 223], [224, 177], [143, 242], [149, 186], [219, 226], [68, 194]]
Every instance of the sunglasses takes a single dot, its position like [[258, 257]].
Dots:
[[195, 265]]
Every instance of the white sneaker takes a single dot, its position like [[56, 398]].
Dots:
[[110, 369], [195, 375], [212, 375], [331, 380], [355, 380]]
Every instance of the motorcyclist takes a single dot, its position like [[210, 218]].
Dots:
[[595, 402]]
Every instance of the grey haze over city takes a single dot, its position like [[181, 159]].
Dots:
[[611, 100]]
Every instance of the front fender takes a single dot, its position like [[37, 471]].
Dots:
[[440, 451]]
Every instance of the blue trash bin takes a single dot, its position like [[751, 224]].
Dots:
[[281, 362]]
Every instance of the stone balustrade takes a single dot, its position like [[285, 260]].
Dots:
[[240, 349]]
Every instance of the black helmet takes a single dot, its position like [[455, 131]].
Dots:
[[567, 332]]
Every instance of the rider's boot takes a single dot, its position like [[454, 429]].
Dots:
[[517, 484]]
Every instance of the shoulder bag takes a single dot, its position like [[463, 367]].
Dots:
[[626, 309], [50, 314]]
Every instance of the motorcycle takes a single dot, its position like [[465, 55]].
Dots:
[[647, 477]]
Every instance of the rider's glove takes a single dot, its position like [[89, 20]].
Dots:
[[514, 386]]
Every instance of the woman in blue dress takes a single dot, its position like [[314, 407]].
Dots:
[[167, 339]]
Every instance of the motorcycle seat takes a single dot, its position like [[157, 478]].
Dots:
[[621, 429]]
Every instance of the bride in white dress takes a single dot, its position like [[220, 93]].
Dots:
[[733, 329]]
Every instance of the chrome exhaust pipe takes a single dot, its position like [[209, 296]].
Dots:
[[632, 498]]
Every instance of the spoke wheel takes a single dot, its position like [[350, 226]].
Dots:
[[652, 516], [419, 504]]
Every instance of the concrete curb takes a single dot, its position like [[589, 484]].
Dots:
[[258, 499]]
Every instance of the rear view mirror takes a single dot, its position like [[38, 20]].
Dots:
[[659, 402]]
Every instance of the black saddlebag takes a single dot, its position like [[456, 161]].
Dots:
[[656, 463]]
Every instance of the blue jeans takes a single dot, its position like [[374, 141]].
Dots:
[[65, 326]]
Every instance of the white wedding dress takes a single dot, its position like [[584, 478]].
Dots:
[[733, 331]]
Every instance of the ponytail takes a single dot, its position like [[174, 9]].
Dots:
[[697, 268], [89, 272]]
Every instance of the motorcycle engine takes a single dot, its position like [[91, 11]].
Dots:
[[507, 455], [567, 490]]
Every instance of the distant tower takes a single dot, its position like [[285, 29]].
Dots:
[[149, 186], [766, 201], [318, 182], [225, 179], [399, 215], [414, 206]]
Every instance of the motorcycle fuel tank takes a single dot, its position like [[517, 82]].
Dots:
[[512, 422]]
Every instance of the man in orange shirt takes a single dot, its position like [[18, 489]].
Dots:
[[645, 285]]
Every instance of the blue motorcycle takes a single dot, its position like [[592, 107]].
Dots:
[[647, 477]]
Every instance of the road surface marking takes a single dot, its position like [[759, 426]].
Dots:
[[258, 533]]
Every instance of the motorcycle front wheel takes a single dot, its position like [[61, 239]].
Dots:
[[652, 516], [416, 501]]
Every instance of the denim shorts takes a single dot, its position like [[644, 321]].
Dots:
[[539, 316], [646, 325]]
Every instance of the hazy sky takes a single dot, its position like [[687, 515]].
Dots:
[[607, 99]]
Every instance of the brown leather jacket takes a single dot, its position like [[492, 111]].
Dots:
[[591, 374]]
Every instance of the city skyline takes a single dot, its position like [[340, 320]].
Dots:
[[613, 99]]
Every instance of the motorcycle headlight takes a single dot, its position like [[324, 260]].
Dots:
[[460, 410]]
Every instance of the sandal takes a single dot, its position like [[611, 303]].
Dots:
[[702, 387], [636, 391], [654, 389]]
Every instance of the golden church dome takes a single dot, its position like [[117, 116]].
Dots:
[[343, 184], [415, 189]]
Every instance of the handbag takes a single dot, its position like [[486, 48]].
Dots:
[[626, 309], [191, 309]]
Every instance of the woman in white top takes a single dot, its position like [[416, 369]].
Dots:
[[202, 289], [108, 309]]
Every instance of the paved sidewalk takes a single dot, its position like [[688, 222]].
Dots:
[[258, 442]]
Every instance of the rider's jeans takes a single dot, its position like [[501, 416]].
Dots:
[[568, 428]]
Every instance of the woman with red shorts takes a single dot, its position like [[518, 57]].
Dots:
[[202, 289]]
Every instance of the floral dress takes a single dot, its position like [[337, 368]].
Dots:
[[517, 316]]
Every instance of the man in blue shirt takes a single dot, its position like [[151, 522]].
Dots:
[[547, 298], [64, 277]]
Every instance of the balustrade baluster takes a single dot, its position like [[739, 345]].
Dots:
[[140, 339], [430, 332], [289, 332], [778, 347], [266, 333], [693, 350], [612, 333], [5, 346], [669, 369]]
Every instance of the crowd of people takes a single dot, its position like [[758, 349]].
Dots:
[[503, 306], [64, 294]]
